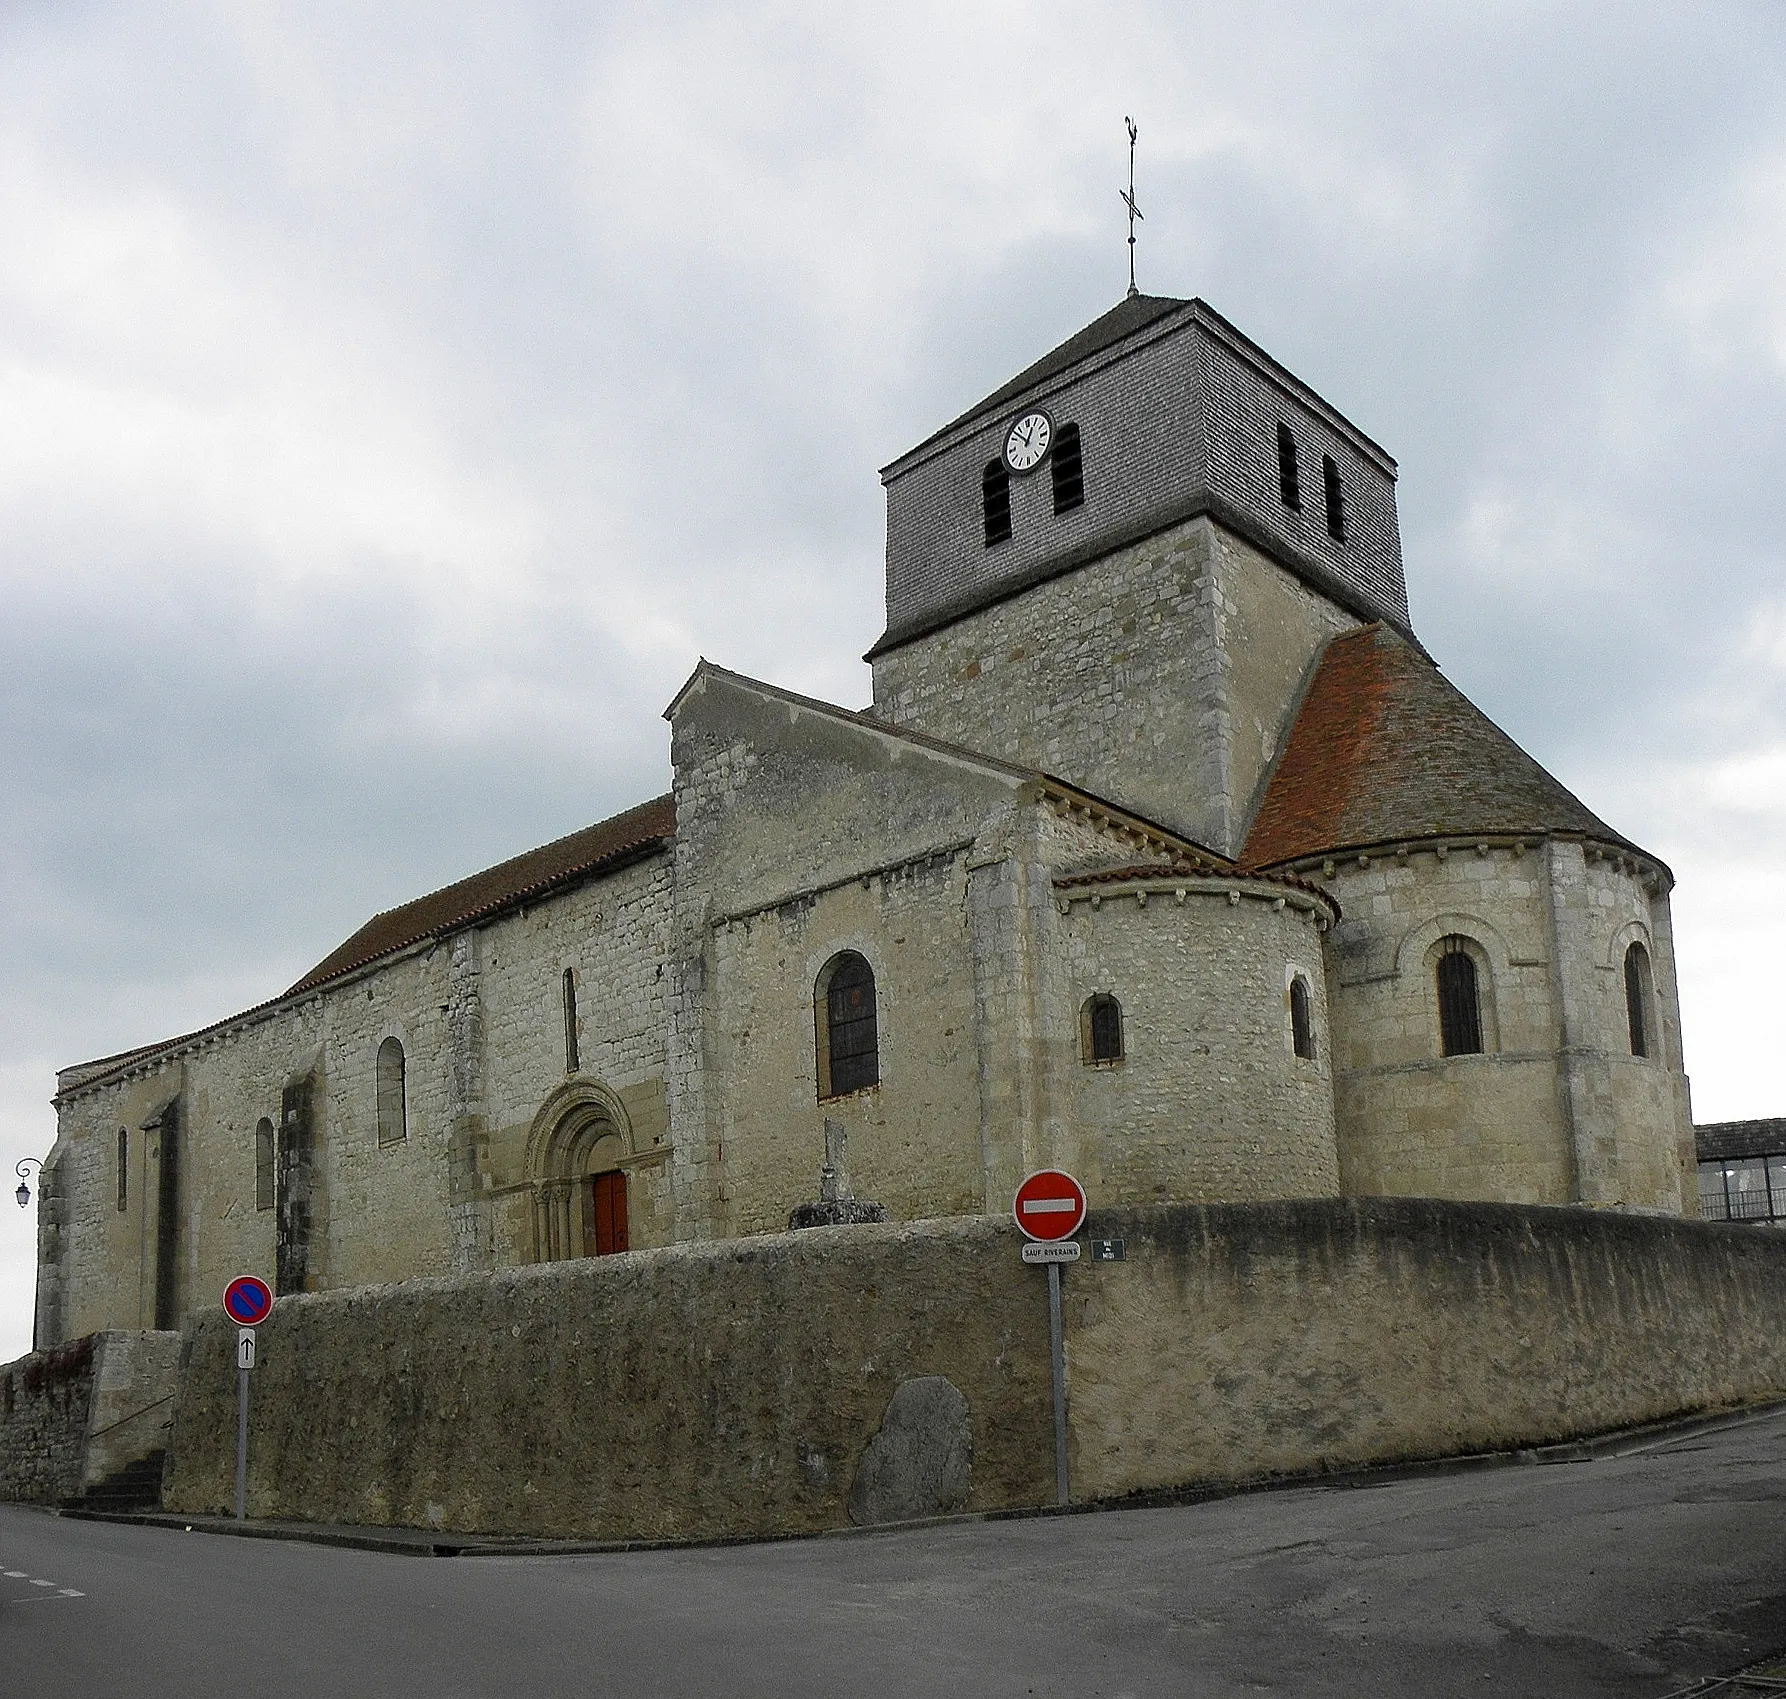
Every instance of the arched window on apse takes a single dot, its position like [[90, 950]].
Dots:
[[1100, 1030], [849, 1050], [1638, 1002], [393, 1109], [570, 1020], [265, 1182], [1460, 1007], [123, 1169], [1302, 1020]]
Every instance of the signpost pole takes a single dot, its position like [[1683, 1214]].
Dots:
[[241, 1445], [1058, 1355]]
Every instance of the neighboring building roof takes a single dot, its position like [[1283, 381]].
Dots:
[[525, 878], [1728, 1141], [1386, 749]]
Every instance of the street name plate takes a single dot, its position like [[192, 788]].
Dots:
[[1109, 1250], [1059, 1250], [245, 1348]]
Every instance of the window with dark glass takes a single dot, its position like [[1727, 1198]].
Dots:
[[1302, 1024], [849, 1042], [1069, 470], [393, 1109], [1460, 1012], [995, 501], [1336, 498], [1289, 475], [123, 1168], [1100, 1029], [570, 1021], [1637, 985], [265, 1192]]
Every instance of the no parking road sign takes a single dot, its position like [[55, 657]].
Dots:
[[248, 1300], [1049, 1205]]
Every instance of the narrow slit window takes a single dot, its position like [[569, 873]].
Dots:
[[1069, 470], [393, 1107], [123, 1169], [1336, 498], [1100, 1030], [265, 1183], [1302, 1023], [1460, 1011], [1289, 475], [995, 501], [849, 1034], [1637, 985], [570, 1021]]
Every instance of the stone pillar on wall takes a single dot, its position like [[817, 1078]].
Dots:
[[1584, 1083], [298, 1193], [52, 1250], [1007, 899], [468, 1136]]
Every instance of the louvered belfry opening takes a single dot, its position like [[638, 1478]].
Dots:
[[1289, 475], [1069, 470], [1336, 498], [1460, 1012], [851, 1044], [995, 501], [1637, 962], [1302, 1025]]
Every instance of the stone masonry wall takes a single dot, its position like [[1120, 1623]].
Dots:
[[1209, 1101], [1557, 1108], [1163, 677], [45, 1401], [757, 1386], [481, 1021]]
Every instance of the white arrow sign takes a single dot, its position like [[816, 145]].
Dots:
[[245, 1348]]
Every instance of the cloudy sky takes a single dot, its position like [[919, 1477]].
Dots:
[[395, 401]]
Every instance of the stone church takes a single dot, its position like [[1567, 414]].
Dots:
[[1165, 854]]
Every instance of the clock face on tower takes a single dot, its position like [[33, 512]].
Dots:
[[1027, 441]]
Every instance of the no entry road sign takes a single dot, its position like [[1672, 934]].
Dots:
[[248, 1300], [1049, 1205]]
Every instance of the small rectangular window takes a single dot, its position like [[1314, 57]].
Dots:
[[1289, 477], [570, 1020], [123, 1169], [1336, 499]]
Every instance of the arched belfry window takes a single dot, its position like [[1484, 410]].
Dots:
[[995, 501], [1302, 1020], [1638, 1002], [1068, 463], [393, 1110], [1100, 1030], [849, 1049], [1460, 1004], [1289, 475], [265, 1185]]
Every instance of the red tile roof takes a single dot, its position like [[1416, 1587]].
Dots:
[[1386, 749], [602, 847]]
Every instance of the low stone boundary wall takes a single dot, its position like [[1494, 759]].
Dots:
[[71, 1416], [801, 1381]]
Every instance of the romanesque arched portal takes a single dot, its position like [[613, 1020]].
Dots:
[[578, 1151]]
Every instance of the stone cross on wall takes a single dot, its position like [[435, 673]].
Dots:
[[834, 1176]]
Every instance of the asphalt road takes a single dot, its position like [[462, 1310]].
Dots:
[[1624, 1576]]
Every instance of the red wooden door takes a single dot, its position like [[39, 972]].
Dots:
[[604, 1215]]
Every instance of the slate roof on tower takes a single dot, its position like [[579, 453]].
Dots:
[[1385, 749]]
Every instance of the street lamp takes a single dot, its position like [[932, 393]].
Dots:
[[23, 1194]]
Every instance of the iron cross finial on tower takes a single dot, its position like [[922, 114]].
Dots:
[[1128, 200]]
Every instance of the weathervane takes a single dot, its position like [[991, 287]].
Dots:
[[1128, 200]]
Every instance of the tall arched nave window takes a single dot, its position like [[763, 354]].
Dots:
[[849, 1047], [1460, 1002]]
